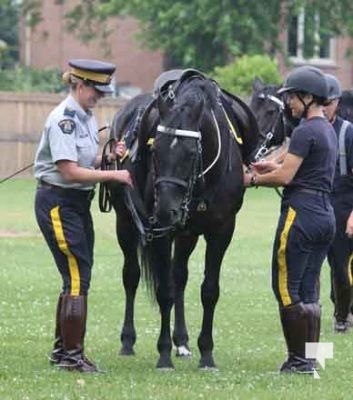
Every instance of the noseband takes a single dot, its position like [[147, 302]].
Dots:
[[265, 145]]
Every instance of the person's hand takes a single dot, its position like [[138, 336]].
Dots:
[[249, 178], [119, 149], [349, 226], [262, 167], [123, 176]]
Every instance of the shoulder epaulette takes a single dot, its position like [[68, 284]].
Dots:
[[69, 112]]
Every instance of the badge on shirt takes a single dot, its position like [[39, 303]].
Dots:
[[67, 126]]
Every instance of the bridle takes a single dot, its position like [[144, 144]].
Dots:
[[265, 145], [196, 168]]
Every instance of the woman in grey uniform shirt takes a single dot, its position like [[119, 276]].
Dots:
[[65, 167]]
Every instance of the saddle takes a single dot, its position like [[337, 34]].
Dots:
[[172, 79]]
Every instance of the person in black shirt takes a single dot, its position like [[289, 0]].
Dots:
[[341, 250], [306, 225]]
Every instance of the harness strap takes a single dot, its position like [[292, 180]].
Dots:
[[342, 147], [179, 132], [231, 127]]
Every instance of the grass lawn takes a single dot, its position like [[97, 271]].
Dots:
[[249, 346]]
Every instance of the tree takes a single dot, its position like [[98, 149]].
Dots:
[[207, 33], [9, 12]]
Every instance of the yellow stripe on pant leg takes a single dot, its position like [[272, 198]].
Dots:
[[281, 257], [60, 238], [349, 266]]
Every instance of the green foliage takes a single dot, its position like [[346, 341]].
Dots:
[[8, 33], [238, 76], [31, 80], [206, 33]]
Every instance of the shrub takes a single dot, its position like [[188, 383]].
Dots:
[[238, 76], [31, 80]]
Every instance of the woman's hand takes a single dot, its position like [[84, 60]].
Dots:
[[249, 178], [119, 149], [262, 167], [122, 176]]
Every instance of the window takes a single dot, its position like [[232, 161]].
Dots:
[[308, 39]]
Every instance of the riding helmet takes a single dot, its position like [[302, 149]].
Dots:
[[334, 87], [306, 79]]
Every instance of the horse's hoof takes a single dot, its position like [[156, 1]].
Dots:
[[165, 364], [183, 352], [125, 351], [207, 363]]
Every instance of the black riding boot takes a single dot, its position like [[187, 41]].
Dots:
[[58, 349], [296, 332], [73, 328], [313, 311], [343, 304]]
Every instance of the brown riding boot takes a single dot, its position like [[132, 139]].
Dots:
[[73, 328], [343, 303], [58, 349], [296, 332]]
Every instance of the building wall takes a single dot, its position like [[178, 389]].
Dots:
[[50, 45], [339, 65]]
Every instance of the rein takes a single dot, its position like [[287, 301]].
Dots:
[[265, 145], [32, 163]]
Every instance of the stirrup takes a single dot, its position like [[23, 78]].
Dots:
[[298, 365], [82, 364], [56, 356], [342, 326]]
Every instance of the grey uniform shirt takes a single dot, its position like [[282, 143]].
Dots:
[[70, 133]]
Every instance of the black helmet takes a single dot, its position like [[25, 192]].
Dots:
[[334, 87], [306, 79]]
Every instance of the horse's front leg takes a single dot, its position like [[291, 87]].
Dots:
[[165, 299], [127, 237], [184, 244], [215, 249]]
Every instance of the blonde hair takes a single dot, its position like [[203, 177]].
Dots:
[[70, 79]]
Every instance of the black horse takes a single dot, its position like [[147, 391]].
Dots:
[[273, 117], [188, 183]]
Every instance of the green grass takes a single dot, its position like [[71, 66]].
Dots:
[[249, 346]]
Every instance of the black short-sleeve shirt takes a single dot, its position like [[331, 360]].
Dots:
[[315, 141]]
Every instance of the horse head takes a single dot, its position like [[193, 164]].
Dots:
[[273, 116], [176, 155]]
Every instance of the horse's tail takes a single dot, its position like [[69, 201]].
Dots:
[[149, 273], [155, 260]]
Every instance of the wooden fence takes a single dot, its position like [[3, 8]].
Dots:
[[22, 118]]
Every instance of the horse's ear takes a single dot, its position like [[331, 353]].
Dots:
[[162, 106], [257, 84]]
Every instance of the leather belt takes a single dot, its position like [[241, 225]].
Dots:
[[311, 191], [69, 192]]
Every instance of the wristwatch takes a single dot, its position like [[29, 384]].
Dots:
[[253, 181]]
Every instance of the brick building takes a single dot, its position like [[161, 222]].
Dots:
[[50, 45]]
